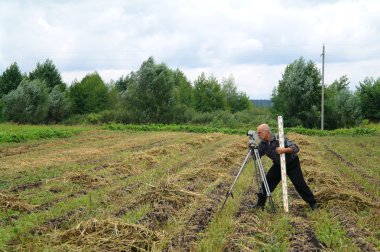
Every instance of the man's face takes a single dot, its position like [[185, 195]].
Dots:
[[263, 134]]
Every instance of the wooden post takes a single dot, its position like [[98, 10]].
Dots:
[[283, 164]]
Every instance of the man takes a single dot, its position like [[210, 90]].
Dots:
[[269, 146]]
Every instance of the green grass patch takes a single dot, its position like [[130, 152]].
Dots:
[[14, 133], [330, 233], [173, 128], [359, 131]]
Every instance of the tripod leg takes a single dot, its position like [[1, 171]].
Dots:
[[236, 178], [257, 175], [264, 179]]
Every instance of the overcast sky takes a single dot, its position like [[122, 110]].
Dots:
[[252, 40]]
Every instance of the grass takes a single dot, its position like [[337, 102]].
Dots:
[[14, 133], [221, 225], [369, 130], [330, 233]]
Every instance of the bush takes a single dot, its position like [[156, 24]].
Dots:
[[2, 118], [59, 105], [28, 103], [106, 116], [201, 118], [182, 114], [224, 119]]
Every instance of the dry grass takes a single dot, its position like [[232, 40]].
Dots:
[[107, 235], [9, 202]]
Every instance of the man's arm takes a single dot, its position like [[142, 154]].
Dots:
[[289, 148]]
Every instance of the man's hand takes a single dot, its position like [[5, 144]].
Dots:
[[281, 150]]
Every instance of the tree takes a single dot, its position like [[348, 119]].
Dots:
[[341, 106], [10, 79], [123, 82], [183, 89], [347, 109], [89, 95], [297, 96], [150, 98], [369, 94], [235, 101], [59, 105], [208, 95], [48, 73], [28, 103]]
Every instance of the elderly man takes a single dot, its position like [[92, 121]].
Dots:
[[269, 146]]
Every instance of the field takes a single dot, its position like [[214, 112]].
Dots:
[[95, 189]]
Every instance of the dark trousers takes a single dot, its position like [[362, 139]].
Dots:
[[293, 170]]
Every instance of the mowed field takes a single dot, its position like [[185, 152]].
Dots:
[[102, 190]]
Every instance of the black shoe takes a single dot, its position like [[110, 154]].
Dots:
[[261, 199], [314, 206]]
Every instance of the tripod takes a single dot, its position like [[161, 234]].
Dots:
[[259, 172]]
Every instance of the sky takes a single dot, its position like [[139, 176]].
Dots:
[[251, 40]]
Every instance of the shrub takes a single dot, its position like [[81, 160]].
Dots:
[[28, 103]]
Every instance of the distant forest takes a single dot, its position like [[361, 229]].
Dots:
[[262, 103]]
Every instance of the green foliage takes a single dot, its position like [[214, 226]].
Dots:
[[59, 105], [10, 133], [347, 107], [369, 94], [183, 90], [89, 95], [150, 97], [2, 118], [171, 127], [158, 94], [235, 101], [329, 232], [208, 95], [105, 116], [298, 94], [10, 79], [123, 83], [28, 103], [342, 108], [337, 132], [241, 130], [48, 73]]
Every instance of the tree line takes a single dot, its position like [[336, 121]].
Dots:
[[298, 98], [153, 94], [156, 93]]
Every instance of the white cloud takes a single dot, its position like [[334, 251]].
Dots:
[[253, 40]]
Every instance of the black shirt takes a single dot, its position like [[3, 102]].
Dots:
[[269, 149]]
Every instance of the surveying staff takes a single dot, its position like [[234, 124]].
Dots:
[[269, 146]]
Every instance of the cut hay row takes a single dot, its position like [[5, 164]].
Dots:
[[9, 202], [106, 235]]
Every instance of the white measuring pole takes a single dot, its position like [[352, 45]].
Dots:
[[283, 164]]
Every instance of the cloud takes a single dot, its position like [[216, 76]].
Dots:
[[253, 40]]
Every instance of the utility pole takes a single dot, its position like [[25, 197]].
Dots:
[[323, 86]]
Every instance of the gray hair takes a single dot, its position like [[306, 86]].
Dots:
[[265, 127]]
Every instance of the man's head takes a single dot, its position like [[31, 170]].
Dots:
[[264, 133]]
